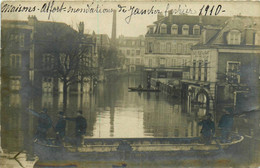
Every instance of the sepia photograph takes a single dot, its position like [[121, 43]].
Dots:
[[130, 84]]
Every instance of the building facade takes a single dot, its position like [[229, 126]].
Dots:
[[133, 49], [169, 41], [17, 59], [226, 63], [27, 54]]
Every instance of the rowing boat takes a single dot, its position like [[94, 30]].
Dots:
[[131, 148], [136, 89]]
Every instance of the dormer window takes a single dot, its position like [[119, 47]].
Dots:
[[174, 29], [150, 30], [196, 30], [163, 29], [234, 37], [185, 30]]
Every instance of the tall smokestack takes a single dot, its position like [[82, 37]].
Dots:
[[113, 36]]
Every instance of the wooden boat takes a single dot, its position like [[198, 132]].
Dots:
[[95, 149], [136, 89]]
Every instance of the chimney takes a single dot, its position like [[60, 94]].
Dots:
[[32, 20], [170, 16], [159, 16], [113, 35], [81, 27], [200, 19]]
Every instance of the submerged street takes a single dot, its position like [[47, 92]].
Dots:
[[114, 112]]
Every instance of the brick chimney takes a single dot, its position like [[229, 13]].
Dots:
[[81, 27], [170, 16], [159, 16], [32, 20]]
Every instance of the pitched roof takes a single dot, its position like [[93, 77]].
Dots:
[[240, 23], [181, 20]]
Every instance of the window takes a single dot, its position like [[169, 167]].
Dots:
[[234, 37], [150, 47], [196, 30], [137, 52], [174, 48], [163, 29], [133, 43], [233, 72], [174, 62], [199, 71], [184, 48], [157, 47], [15, 83], [133, 52], [162, 62], [150, 62], [163, 48], [128, 52], [194, 70], [185, 30], [168, 47], [179, 48], [15, 60], [206, 70], [169, 63], [21, 40], [174, 29], [47, 61], [128, 43], [127, 60], [142, 43], [137, 61]]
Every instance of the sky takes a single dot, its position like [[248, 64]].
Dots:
[[101, 23]]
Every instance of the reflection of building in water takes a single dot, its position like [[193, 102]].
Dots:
[[47, 100], [168, 121], [11, 127], [15, 100]]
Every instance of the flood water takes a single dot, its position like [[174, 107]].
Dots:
[[112, 111]]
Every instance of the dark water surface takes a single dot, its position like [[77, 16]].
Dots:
[[112, 111]]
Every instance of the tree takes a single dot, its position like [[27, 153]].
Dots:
[[109, 57], [71, 63]]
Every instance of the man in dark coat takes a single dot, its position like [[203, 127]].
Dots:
[[226, 124], [44, 123], [208, 129], [60, 127], [80, 128]]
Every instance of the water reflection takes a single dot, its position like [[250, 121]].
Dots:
[[110, 110]]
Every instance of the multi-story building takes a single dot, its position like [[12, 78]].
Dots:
[[226, 63], [27, 48], [17, 58], [133, 49], [169, 41]]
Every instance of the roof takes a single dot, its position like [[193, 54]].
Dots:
[[243, 24], [102, 39], [181, 20]]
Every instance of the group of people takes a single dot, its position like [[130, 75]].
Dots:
[[225, 124], [45, 123]]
